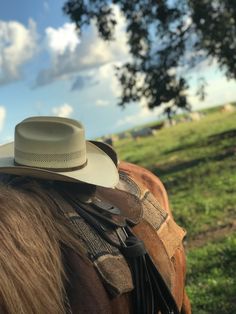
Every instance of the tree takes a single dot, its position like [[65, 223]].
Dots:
[[166, 38]]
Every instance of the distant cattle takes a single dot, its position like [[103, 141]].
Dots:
[[195, 116], [228, 108], [124, 135], [141, 133], [168, 123], [158, 126], [108, 140]]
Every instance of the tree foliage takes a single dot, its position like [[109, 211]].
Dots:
[[166, 39]]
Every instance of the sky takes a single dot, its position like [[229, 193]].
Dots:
[[46, 69]]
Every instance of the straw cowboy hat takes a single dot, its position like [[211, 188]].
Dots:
[[55, 148]]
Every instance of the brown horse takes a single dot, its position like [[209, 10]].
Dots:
[[44, 266]]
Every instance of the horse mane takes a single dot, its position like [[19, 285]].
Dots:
[[32, 235]]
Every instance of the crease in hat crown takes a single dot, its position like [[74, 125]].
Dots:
[[50, 143]]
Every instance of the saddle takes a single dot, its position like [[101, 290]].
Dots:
[[105, 222]]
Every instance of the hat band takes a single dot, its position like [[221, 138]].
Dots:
[[72, 160], [55, 169]]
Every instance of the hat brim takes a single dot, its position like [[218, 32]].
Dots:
[[99, 170]]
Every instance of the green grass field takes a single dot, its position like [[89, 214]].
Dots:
[[197, 163]]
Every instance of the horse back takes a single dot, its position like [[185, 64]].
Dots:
[[155, 227]]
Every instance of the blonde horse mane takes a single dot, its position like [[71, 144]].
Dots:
[[32, 233]]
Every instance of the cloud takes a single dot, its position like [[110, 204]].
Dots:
[[70, 56], [83, 81], [102, 103], [2, 117], [62, 40], [219, 89], [18, 45], [144, 114], [63, 111], [106, 74]]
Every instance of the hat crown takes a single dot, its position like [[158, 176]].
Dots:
[[50, 142]]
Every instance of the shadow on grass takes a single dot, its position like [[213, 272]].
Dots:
[[173, 168], [211, 140], [221, 136]]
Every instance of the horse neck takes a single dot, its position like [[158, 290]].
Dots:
[[31, 276]]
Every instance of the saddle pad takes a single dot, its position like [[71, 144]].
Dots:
[[107, 259], [167, 235]]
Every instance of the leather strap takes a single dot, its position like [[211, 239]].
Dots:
[[105, 212], [150, 294]]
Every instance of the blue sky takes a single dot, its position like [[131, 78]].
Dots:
[[45, 69]]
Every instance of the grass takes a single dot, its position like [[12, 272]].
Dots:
[[211, 277], [196, 162]]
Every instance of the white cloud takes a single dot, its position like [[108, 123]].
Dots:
[[62, 40], [219, 90], [2, 117], [143, 115], [70, 56], [17, 45], [63, 111], [102, 103], [106, 74]]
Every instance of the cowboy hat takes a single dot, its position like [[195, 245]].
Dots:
[[55, 148]]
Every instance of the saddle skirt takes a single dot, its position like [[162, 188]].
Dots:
[[129, 202]]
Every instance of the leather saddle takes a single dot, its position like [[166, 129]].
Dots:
[[111, 213]]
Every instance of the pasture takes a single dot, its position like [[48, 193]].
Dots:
[[196, 161]]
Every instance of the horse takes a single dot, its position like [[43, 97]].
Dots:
[[46, 269]]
